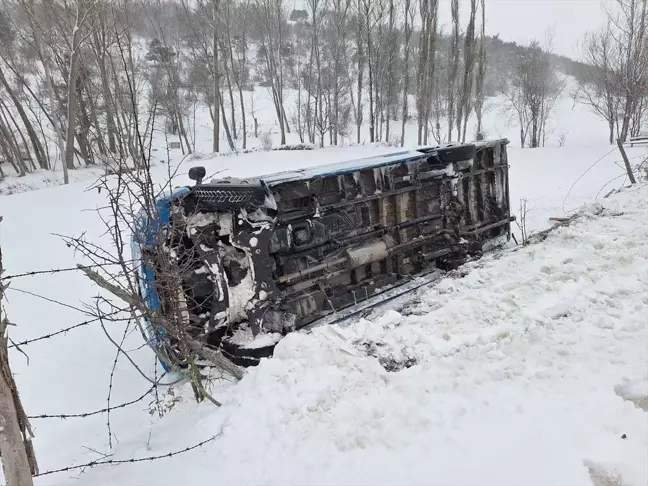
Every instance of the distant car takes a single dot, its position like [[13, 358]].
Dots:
[[261, 257]]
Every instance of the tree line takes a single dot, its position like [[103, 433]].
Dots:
[[86, 81], [614, 83]]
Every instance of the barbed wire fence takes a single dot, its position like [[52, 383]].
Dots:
[[131, 208], [14, 469]]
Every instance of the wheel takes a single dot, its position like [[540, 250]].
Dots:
[[450, 262], [240, 360], [457, 153], [237, 350]]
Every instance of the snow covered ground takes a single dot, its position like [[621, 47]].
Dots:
[[517, 358], [520, 361], [524, 367]]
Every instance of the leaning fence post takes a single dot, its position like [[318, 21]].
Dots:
[[16, 451], [626, 162]]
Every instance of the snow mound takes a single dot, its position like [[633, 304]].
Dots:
[[513, 378]]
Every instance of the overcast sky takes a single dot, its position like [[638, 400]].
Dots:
[[523, 20]]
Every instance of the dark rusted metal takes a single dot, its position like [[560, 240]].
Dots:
[[276, 253]]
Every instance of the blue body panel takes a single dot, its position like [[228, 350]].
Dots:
[[142, 238]]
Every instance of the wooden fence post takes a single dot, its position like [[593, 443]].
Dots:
[[626, 162], [16, 451]]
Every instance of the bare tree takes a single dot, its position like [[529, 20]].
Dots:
[[409, 13], [82, 16], [426, 66], [237, 48], [372, 14], [630, 28], [454, 68], [8, 57], [614, 84], [217, 97], [314, 87], [481, 72], [271, 18], [360, 56], [465, 99], [389, 68], [338, 51], [531, 92], [101, 42], [522, 221]]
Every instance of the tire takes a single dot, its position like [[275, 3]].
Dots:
[[451, 262], [239, 360], [457, 153], [239, 351], [215, 337]]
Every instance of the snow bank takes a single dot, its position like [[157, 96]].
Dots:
[[516, 366]]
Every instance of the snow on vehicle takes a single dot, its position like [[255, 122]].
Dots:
[[268, 255]]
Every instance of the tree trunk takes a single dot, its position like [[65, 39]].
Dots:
[[228, 73], [360, 55], [71, 96], [82, 134], [95, 121], [8, 153], [408, 34], [12, 150], [372, 118], [38, 148], [16, 451], [430, 72], [183, 131], [243, 121], [15, 464], [522, 138], [534, 131], [625, 126], [285, 118], [8, 116], [228, 133], [216, 87], [239, 85], [107, 95], [55, 118], [420, 73]]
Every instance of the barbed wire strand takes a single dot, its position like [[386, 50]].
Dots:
[[96, 412], [61, 331], [110, 383], [581, 176], [59, 270], [108, 409], [53, 301], [128, 461]]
